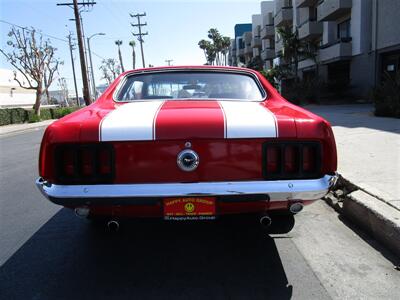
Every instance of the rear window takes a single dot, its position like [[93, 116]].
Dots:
[[191, 85]]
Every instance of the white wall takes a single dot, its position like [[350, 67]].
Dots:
[[11, 94]]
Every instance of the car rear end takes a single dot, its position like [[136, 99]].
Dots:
[[279, 159]]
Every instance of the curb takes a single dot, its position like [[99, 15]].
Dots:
[[379, 219], [8, 130]]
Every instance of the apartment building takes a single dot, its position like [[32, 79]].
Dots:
[[267, 33], [357, 41], [236, 55]]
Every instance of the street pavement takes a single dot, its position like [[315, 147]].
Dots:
[[48, 253], [368, 148]]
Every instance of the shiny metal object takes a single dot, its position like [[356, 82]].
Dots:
[[188, 160], [266, 221], [114, 194], [296, 207]]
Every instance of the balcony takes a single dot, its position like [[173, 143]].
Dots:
[[268, 31], [306, 3], [268, 54], [310, 30], [341, 50], [256, 42], [331, 10], [284, 17], [306, 63]]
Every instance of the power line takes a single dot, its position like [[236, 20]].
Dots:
[[39, 31], [76, 7]]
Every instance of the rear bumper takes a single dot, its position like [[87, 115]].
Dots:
[[147, 194]]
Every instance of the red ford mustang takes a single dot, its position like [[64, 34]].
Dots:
[[188, 143]]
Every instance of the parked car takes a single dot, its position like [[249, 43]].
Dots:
[[188, 143]]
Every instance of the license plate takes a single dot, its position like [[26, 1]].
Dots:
[[189, 208]]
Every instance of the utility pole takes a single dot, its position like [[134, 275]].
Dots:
[[91, 63], [73, 68], [168, 61], [140, 34], [75, 5]]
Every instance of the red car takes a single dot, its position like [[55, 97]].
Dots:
[[188, 143]]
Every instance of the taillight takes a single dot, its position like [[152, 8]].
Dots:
[[273, 159], [291, 164], [309, 155], [84, 163], [290, 160]]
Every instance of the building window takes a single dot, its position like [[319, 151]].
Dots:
[[344, 30]]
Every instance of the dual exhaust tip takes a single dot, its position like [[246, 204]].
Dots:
[[83, 212], [113, 225]]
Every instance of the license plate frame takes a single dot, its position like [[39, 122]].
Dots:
[[189, 208]]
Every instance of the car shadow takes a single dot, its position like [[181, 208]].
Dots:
[[71, 259]]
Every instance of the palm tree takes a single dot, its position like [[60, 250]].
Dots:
[[226, 42], [294, 48], [133, 44], [119, 43]]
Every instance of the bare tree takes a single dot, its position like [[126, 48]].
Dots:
[[34, 59], [110, 69], [119, 43], [133, 44]]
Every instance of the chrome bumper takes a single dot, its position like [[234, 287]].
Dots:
[[124, 194]]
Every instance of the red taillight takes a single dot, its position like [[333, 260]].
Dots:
[[104, 161], [68, 162], [84, 163], [291, 159], [273, 154], [87, 162], [309, 157]]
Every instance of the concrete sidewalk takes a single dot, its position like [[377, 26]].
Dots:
[[16, 128], [368, 148], [369, 161]]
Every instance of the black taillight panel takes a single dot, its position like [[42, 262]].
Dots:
[[84, 163], [292, 160]]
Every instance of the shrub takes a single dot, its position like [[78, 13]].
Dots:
[[32, 118], [5, 117], [387, 97], [20, 115]]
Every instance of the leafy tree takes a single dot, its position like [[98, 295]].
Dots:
[[34, 59], [215, 51], [119, 43], [110, 69], [133, 44]]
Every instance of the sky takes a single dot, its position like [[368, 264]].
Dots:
[[174, 29]]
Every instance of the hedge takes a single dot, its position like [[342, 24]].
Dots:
[[20, 115]]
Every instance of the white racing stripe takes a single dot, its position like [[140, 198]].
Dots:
[[248, 120], [130, 122]]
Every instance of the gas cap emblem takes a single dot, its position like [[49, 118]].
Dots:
[[187, 160]]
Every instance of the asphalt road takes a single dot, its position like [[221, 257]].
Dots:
[[48, 253]]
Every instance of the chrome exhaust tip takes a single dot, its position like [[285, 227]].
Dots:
[[296, 207], [82, 212], [266, 221], [113, 225]]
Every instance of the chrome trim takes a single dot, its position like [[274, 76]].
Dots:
[[166, 70], [280, 190], [181, 157]]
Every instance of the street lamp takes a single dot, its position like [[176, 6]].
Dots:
[[91, 64]]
